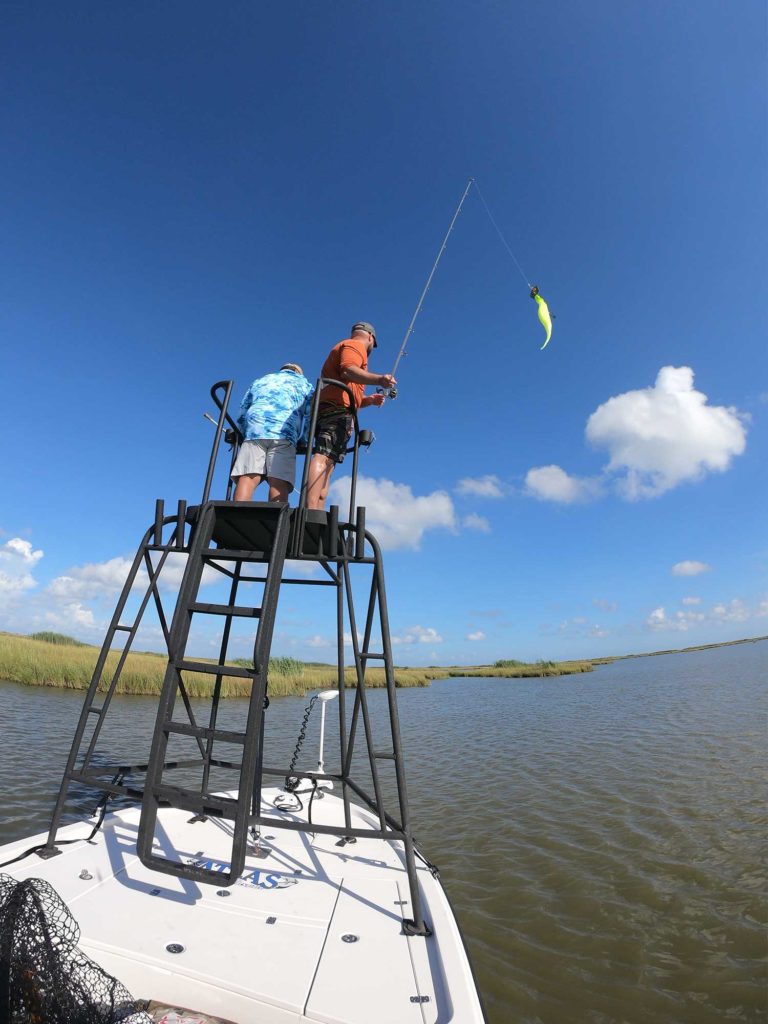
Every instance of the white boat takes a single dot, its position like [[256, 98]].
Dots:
[[310, 931], [258, 904]]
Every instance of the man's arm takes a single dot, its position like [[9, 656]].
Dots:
[[359, 376]]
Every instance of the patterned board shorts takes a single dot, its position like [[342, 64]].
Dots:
[[334, 429]]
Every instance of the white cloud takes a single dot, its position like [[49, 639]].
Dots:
[[18, 551], [14, 584], [479, 635], [734, 610], [551, 483], [17, 559], [691, 600], [418, 635], [480, 487], [86, 582], [320, 641], [690, 568], [476, 522], [665, 435], [72, 615], [396, 517]]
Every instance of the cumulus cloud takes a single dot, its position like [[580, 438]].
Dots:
[[480, 487], [418, 635], [320, 641], [476, 522], [70, 615], [665, 435], [659, 620], [479, 635], [656, 437], [691, 600], [690, 568], [551, 483], [86, 582], [734, 611], [17, 550], [397, 517], [17, 560], [723, 613]]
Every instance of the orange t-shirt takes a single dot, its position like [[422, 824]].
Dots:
[[349, 352]]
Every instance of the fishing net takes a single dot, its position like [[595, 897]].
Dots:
[[44, 977]]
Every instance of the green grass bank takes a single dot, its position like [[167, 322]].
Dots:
[[55, 660]]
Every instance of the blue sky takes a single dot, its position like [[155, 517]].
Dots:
[[193, 192]]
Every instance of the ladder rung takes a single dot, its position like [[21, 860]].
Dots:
[[190, 800], [95, 711], [234, 555], [225, 609], [384, 755], [215, 670], [126, 629], [225, 735], [369, 656]]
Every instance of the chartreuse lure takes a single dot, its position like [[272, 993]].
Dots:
[[545, 317]]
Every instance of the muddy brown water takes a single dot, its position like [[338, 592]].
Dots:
[[600, 836]]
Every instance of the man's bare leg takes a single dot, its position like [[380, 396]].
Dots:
[[278, 490], [246, 485], [320, 469]]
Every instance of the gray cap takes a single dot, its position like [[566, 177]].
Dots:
[[363, 325]]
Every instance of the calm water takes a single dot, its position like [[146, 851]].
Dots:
[[600, 836]]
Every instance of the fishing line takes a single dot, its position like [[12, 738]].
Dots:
[[401, 353], [544, 315], [501, 236]]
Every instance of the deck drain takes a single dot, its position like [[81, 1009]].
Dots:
[[175, 947], [223, 892], [349, 938]]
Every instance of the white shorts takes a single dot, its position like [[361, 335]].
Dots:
[[267, 458]]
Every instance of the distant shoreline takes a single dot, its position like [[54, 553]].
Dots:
[[678, 650], [65, 663], [60, 662]]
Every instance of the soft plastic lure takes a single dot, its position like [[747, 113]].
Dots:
[[545, 318]]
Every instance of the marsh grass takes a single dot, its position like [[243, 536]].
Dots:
[[36, 662]]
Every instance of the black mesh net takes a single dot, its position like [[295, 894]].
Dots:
[[44, 977]]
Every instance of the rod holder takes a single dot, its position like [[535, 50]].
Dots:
[[159, 514], [181, 519], [333, 531], [360, 532]]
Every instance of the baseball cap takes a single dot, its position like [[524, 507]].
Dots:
[[363, 325]]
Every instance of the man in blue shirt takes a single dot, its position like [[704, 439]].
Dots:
[[274, 417]]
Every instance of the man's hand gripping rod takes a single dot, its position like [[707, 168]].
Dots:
[[392, 392]]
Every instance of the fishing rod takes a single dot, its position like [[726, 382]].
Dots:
[[393, 391], [543, 311]]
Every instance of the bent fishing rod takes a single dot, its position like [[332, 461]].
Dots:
[[543, 311]]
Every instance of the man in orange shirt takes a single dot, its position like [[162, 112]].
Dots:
[[347, 362]]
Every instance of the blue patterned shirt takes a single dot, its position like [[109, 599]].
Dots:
[[277, 407]]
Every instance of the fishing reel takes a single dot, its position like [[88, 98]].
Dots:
[[388, 393]]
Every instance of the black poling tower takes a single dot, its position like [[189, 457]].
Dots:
[[248, 543]]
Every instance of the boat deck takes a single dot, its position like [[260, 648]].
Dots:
[[312, 931]]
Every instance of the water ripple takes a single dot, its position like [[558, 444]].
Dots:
[[600, 836]]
